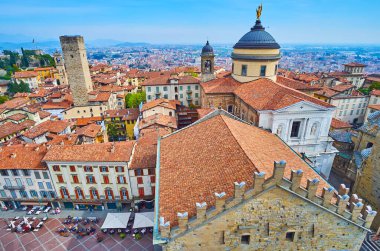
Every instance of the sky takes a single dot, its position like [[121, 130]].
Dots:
[[191, 21]]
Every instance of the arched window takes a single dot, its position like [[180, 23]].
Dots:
[[94, 193], [79, 193], [108, 193], [124, 194], [64, 193]]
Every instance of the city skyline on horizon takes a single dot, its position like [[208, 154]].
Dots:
[[191, 22]]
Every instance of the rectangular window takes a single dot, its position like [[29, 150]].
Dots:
[[121, 179], [29, 182], [106, 180], [75, 179], [33, 193], [149, 97], [18, 182], [60, 178], [152, 179], [14, 172], [196, 87], [26, 172], [104, 169], [181, 88], [275, 69], [141, 192], [8, 182], [119, 169], [263, 70], [245, 239], [151, 171], [165, 88], [4, 172], [166, 96], [56, 168], [72, 168], [149, 89], [196, 95], [138, 172], [88, 168], [290, 236], [90, 179], [2, 193], [157, 89], [23, 194], [139, 180], [46, 175], [244, 70], [295, 129], [40, 185], [48, 185], [180, 95], [352, 112]]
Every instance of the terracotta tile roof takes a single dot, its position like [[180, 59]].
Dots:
[[220, 85], [17, 117], [101, 97], [26, 156], [223, 74], [375, 107], [25, 74], [14, 103], [375, 92], [342, 87], [188, 174], [264, 94], [339, 124], [126, 114], [10, 128], [297, 85], [64, 139], [56, 95], [170, 104], [86, 121], [354, 64], [165, 80], [102, 152], [145, 153], [158, 119], [21, 95], [203, 112], [327, 92], [44, 114], [91, 130], [57, 105], [56, 126], [44, 69]]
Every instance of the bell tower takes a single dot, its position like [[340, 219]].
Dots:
[[207, 62], [62, 77]]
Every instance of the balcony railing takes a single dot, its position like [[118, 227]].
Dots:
[[189, 91], [17, 187]]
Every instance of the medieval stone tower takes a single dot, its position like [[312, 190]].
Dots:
[[62, 76], [207, 63], [76, 65]]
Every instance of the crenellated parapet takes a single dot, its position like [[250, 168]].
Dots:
[[337, 202]]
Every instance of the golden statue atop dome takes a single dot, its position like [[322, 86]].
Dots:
[[258, 11]]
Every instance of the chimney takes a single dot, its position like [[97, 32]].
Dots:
[[37, 148], [343, 189], [368, 216], [164, 228], [355, 209], [342, 203], [239, 190], [13, 155]]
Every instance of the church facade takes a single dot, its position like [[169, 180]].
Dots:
[[253, 93]]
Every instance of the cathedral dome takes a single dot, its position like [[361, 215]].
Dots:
[[257, 38], [207, 49]]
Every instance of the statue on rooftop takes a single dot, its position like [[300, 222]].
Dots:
[[258, 11]]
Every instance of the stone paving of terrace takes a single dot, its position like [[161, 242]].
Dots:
[[48, 239]]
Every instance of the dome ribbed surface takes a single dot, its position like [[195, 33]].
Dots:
[[257, 38]]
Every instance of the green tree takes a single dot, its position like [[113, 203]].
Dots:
[[3, 99], [112, 132], [24, 59], [14, 87], [127, 97], [135, 99]]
